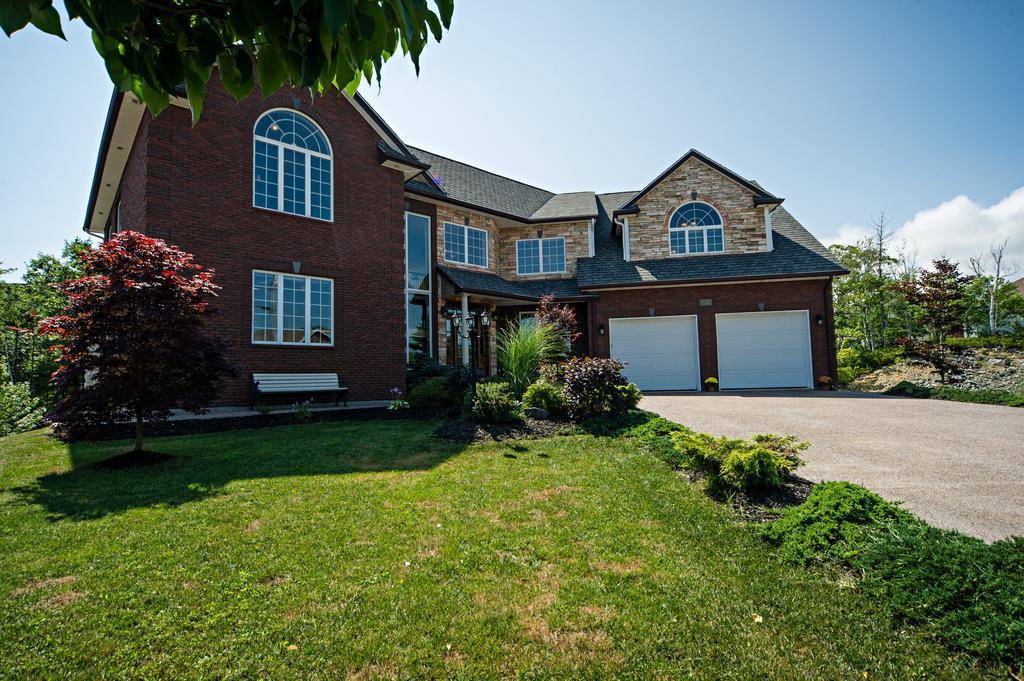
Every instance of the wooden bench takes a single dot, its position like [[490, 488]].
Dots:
[[275, 384]]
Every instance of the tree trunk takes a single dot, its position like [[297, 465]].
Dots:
[[138, 431]]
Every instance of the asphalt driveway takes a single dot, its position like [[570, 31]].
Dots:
[[956, 465]]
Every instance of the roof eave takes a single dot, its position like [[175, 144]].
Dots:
[[101, 156], [711, 280]]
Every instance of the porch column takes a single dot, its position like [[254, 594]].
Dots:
[[465, 329]]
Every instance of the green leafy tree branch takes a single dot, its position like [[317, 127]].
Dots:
[[153, 47]]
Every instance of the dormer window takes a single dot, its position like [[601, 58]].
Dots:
[[291, 165], [696, 227]]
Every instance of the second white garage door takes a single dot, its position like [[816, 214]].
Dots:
[[764, 350], [660, 353]]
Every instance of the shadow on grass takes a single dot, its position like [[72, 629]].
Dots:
[[200, 466]]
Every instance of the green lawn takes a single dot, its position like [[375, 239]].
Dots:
[[371, 549]]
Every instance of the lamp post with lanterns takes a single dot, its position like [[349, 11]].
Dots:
[[467, 330]]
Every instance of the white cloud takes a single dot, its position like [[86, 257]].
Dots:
[[958, 229]]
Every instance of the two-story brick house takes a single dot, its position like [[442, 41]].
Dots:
[[341, 249]]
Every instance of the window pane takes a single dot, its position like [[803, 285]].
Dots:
[[696, 241], [320, 187], [264, 307], [677, 241], [417, 320], [417, 250], [265, 176], [454, 243], [476, 247], [294, 182], [321, 311], [716, 241], [528, 256], [294, 310], [554, 255]]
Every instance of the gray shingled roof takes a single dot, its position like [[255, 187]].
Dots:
[[477, 281], [795, 252], [490, 191], [573, 204]]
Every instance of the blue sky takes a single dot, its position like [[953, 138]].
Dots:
[[911, 107]]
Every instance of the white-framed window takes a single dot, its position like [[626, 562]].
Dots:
[[418, 261], [291, 165], [540, 256], [527, 318], [696, 227], [465, 245], [292, 309]]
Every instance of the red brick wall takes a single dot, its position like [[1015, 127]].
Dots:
[[814, 296], [199, 196]]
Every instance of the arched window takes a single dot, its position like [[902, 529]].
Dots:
[[696, 227], [291, 165]]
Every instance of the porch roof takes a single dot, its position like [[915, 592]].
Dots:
[[488, 284]]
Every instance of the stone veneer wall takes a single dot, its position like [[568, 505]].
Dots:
[[576, 246], [744, 222], [460, 216]]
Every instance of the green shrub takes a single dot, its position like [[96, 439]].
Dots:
[[855, 362], [752, 467], [523, 348], [1007, 342], [421, 368], [832, 525], [547, 396], [19, 410], [595, 386], [730, 463], [968, 593], [946, 392], [978, 396], [430, 393], [909, 389], [494, 402]]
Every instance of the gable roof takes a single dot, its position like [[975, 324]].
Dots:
[[761, 196], [796, 253], [473, 187]]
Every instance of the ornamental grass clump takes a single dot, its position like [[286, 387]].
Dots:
[[523, 348]]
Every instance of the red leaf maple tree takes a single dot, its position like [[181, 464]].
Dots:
[[133, 343]]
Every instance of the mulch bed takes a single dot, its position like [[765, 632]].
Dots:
[[465, 432]]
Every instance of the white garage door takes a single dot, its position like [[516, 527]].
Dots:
[[764, 350], [660, 353]]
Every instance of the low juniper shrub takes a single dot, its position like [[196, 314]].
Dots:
[[736, 464], [832, 525], [968, 593]]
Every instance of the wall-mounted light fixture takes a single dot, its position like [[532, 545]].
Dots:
[[600, 329], [819, 320]]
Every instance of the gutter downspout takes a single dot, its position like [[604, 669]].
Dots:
[[624, 225], [769, 240]]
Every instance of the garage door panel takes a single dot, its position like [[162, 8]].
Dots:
[[764, 350], [658, 353]]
